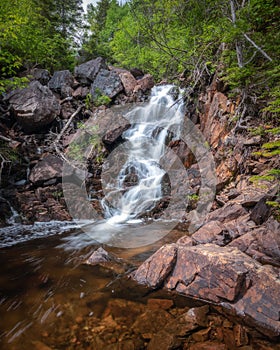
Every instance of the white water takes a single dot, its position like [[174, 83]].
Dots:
[[145, 146]]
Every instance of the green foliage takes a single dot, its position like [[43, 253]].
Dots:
[[35, 32], [8, 156], [100, 99]]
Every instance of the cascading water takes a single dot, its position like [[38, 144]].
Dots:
[[152, 125]]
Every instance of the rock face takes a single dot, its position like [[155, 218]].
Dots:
[[34, 106], [222, 275], [106, 83], [86, 72]]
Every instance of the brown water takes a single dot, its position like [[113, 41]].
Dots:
[[45, 291]]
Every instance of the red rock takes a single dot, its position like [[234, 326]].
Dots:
[[209, 232], [229, 212], [145, 83], [155, 269], [128, 81], [163, 340]]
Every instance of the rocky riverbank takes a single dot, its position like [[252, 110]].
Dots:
[[231, 261]]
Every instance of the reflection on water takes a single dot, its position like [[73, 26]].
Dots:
[[45, 290]]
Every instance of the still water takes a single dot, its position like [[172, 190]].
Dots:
[[47, 292]]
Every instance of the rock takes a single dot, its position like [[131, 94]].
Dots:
[[253, 141], [48, 168], [202, 335], [261, 211], [60, 80], [42, 75], [164, 304], [81, 92], [144, 84], [213, 231], [163, 340], [151, 322], [229, 212], [5, 211], [240, 335], [106, 83], [189, 321], [118, 309], [155, 270], [66, 110], [37, 345], [102, 258], [262, 243], [110, 132], [214, 120], [137, 73], [209, 345], [221, 275], [34, 106], [128, 81], [225, 172], [86, 72]]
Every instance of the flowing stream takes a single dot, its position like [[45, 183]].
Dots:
[[144, 148]]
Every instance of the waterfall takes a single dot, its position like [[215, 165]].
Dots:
[[138, 186]]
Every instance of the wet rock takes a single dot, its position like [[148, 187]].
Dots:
[[118, 309], [151, 322], [40, 346], [106, 83], [202, 335], [155, 270], [87, 72], [164, 304], [261, 211], [107, 260], [189, 321], [42, 75], [34, 106], [5, 211], [209, 345], [60, 80], [50, 167], [163, 340]]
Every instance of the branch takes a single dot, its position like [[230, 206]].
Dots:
[[258, 48], [4, 138]]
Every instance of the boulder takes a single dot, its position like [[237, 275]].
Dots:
[[60, 80], [42, 75], [128, 81], [144, 84], [109, 123], [46, 169], [106, 83], [220, 275], [34, 106], [86, 72]]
